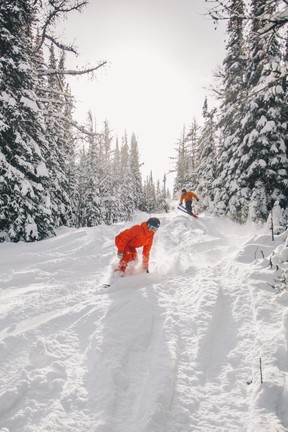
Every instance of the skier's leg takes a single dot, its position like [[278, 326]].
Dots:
[[130, 255], [189, 207]]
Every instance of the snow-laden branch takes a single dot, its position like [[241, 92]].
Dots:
[[81, 128], [74, 124], [222, 12], [54, 9], [60, 45], [70, 72], [270, 81]]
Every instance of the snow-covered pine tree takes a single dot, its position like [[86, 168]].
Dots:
[[193, 154], [150, 201], [70, 144], [56, 155], [262, 159], [231, 108], [117, 214], [161, 196], [182, 163], [95, 207], [165, 195], [87, 199], [40, 82], [158, 196], [25, 201], [220, 10], [106, 174], [80, 198], [285, 88], [135, 172], [207, 159], [166, 190], [127, 196]]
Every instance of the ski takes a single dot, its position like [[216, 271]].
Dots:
[[185, 211]]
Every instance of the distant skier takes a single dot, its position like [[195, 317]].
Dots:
[[136, 236], [188, 197]]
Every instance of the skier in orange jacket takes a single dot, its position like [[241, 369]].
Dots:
[[136, 236], [188, 197]]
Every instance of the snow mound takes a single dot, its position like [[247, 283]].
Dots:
[[198, 344]]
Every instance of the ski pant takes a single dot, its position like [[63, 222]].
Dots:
[[130, 254], [188, 205]]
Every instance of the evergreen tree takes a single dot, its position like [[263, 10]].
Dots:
[[88, 206], [161, 196], [57, 148], [117, 186], [36, 196], [94, 205], [106, 174], [158, 202], [40, 82], [68, 144], [127, 196], [285, 88], [135, 172], [183, 163], [231, 109], [207, 159], [25, 200], [253, 162], [150, 201], [262, 167], [193, 154], [187, 159], [80, 198], [70, 167]]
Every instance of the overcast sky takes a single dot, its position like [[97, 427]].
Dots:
[[162, 55]]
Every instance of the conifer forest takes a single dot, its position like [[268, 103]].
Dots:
[[55, 171]]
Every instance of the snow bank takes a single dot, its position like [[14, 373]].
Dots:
[[174, 350]]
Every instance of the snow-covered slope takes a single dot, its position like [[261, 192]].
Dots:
[[175, 350]]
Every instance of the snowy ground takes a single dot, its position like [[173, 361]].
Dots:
[[176, 350]]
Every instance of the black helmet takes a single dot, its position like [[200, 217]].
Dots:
[[184, 190], [154, 222]]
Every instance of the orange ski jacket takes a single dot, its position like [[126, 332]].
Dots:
[[135, 237], [188, 196]]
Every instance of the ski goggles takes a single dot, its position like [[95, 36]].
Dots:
[[152, 228]]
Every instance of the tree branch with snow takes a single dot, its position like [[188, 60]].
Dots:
[[53, 10], [71, 72], [222, 12]]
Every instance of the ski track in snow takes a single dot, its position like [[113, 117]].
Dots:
[[171, 351]]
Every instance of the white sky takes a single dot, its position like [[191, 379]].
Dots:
[[162, 55]]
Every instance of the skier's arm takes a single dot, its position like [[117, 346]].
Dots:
[[146, 254], [195, 196]]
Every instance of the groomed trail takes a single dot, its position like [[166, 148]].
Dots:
[[175, 350]]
